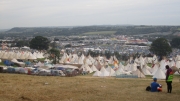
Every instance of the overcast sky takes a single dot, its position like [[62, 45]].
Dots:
[[39, 13]]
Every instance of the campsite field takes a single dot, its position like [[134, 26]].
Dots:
[[100, 32], [19, 87]]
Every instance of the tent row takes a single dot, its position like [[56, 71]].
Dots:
[[20, 55]]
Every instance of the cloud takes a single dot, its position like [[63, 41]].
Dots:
[[87, 12]]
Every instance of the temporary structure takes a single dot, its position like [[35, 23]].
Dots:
[[97, 73], [121, 66], [81, 59], [111, 71], [88, 68], [159, 74], [154, 69], [178, 64], [93, 68], [119, 71], [163, 64], [127, 67], [22, 64], [104, 72], [146, 71], [138, 73], [31, 56], [133, 67]]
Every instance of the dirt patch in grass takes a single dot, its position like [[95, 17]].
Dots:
[[17, 87]]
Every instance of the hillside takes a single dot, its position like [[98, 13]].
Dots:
[[19, 87], [86, 30]]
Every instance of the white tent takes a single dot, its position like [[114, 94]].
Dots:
[[119, 71], [138, 73], [40, 64], [16, 55], [1, 53], [14, 60], [111, 60], [31, 56], [172, 63], [93, 68], [98, 65], [148, 68], [22, 56], [11, 56], [81, 59], [111, 71], [97, 73], [104, 72], [155, 68], [121, 66], [146, 71], [155, 59], [62, 58], [178, 64], [22, 64], [38, 55], [70, 66], [5, 56], [87, 61], [163, 64], [133, 67], [26, 54], [126, 68], [159, 74], [88, 68], [73, 58], [91, 59], [142, 61]]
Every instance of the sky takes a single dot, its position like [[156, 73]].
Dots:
[[43, 13]]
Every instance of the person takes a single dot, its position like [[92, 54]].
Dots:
[[169, 78], [155, 87]]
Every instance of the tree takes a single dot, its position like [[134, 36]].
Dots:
[[67, 46], [54, 54], [175, 43], [107, 54], [39, 43], [160, 47], [22, 43]]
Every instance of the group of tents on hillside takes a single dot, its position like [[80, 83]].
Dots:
[[99, 66], [137, 67]]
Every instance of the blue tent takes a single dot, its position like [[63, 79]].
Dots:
[[8, 63], [60, 68], [10, 70]]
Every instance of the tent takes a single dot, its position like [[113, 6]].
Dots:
[[159, 74], [111, 71], [104, 72], [119, 71], [155, 68], [97, 73], [133, 67], [31, 57], [146, 71], [93, 68], [138, 73]]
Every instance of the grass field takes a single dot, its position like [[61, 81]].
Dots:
[[19, 87], [100, 32]]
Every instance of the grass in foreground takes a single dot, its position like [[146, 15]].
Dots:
[[18, 87]]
